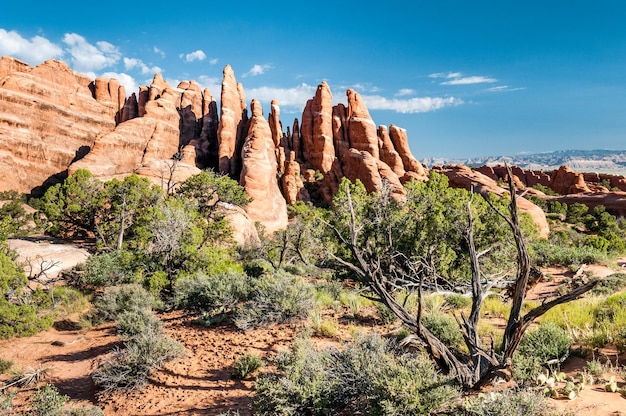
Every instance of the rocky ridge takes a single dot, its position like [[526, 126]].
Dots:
[[167, 133]]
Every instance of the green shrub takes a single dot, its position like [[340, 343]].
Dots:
[[367, 377], [610, 284], [117, 299], [385, 314], [279, 297], [458, 301], [86, 411], [6, 402], [105, 269], [545, 253], [211, 293], [47, 401], [21, 320], [246, 365], [506, 403], [5, 365], [547, 342], [445, 328], [131, 367], [134, 322]]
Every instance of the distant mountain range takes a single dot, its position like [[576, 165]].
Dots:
[[601, 161]]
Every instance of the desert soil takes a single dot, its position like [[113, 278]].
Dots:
[[200, 383]]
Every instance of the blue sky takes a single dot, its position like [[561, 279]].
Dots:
[[463, 78]]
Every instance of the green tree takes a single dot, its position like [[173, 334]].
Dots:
[[206, 189], [379, 241], [71, 207], [125, 202]]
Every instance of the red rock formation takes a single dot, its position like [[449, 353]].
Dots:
[[340, 136], [207, 145], [144, 97], [295, 143], [370, 171], [565, 181], [48, 117], [191, 111], [259, 174], [130, 109], [230, 120], [292, 185], [388, 153], [465, 177], [414, 169], [361, 127], [140, 141], [317, 131], [10, 65], [280, 143]]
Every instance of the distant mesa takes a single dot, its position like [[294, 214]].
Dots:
[[54, 121]]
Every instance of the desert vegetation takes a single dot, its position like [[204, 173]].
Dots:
[[442, 277]]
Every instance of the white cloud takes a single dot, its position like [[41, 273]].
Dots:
[[88, 57], [257, 70], [213, 84], [159, 51], [457, 78], [405, 91], [213, 61], [129, 83], [503, 88], [33, 51], [411, 105], [362, 88], [446, 75], [294, 98], [132, 63], [194, 56], [470, 80]]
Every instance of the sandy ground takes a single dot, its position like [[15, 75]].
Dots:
[[200, 383]]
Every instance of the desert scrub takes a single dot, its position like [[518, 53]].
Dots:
[[279, 297], [211, 293], [107, 269], [246, 365], [323, 327], [544, 253], [445, 328], [506, 403], [457, 301], [366, 377], [5, 365], [547, 342], [129, 368], [47, 401], [6, 402], [129, 297], [610, 284], [493, 306], [132, 323]]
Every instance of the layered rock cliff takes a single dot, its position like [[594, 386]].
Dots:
[[49, 116], [54, 121]]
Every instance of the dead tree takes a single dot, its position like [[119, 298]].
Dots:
[[482, 364]]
